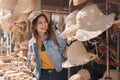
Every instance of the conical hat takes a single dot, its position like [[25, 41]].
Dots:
[[26, 6], [92, 22], [77, 55], [114, 74], [8, 4]]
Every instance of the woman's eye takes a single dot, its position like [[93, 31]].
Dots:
[[39, 22]]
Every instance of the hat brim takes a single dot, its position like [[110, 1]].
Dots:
[[95, 29], [87, 58]]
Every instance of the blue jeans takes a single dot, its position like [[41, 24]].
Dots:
[[52, 75]]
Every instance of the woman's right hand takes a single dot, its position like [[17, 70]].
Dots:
[[33, 58]]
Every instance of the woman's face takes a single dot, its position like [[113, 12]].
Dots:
[[42, 25]]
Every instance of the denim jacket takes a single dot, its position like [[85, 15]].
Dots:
[[54, 51]]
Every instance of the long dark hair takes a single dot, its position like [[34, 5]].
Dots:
[[50, 33]]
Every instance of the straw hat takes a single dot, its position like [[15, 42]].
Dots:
[[114, 74], [76, 77], [92, 22], [18, 17], [33, 15], [8, 4], [26, 6], [71, 18], [22, 18], [70, 28], [77, 55], [83, 74], [70, 31], [7, 24]]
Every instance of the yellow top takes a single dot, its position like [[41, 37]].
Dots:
[[46, 63]]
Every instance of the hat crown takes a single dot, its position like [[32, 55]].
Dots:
[[33, 15]]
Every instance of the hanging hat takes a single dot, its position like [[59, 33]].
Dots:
[[22, 18], [92, 22], [7, 24], [26, 6], [83, 74], [114, 74], [70, 31], [76, 77], [70, 28], [21, 25], [71, 18], [8, 4], [18, 17], [77, 55]]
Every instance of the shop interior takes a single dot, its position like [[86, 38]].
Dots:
[[104, 41]]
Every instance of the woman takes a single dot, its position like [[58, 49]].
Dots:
[[46, 50]]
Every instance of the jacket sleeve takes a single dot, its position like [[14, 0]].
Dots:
[[61, 43]]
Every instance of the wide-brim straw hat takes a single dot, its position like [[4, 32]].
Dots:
[[70, 31], [71, 18], [92, 22], [26, 6], [70, 28], [8, 4], [33, 15], [114, 74], [83, 74], [36, 13], [77, 55]]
